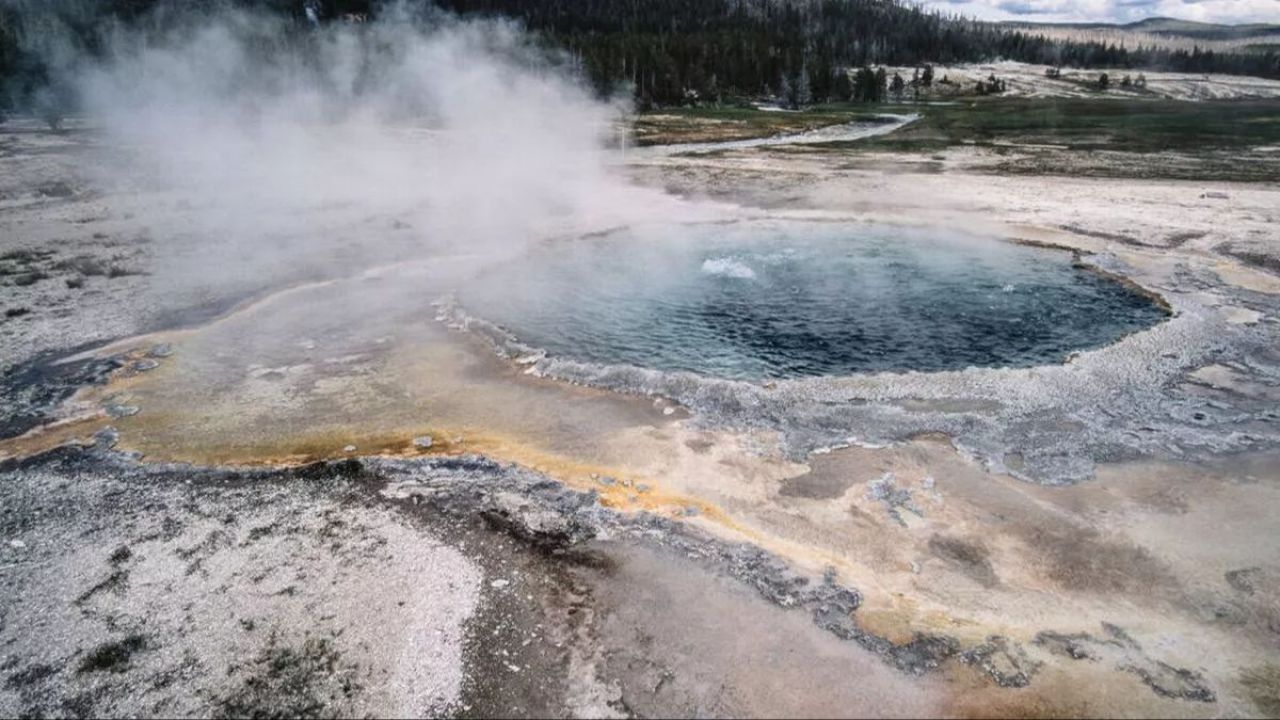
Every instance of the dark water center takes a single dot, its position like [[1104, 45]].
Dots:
[[781, 299]]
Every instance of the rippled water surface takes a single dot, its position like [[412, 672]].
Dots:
[[786, 299]]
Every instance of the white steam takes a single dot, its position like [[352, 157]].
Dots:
[[280, 140]]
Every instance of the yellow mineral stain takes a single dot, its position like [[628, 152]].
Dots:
[[290, 379], [622, 493], [575, 435], [69, 431]]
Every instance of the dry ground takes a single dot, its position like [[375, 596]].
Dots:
[[379, 588]]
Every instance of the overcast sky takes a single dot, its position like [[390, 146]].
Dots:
[[1117, 11]]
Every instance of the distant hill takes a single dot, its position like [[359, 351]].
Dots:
[[1172, 28], [1167, 26], [1207, 31]]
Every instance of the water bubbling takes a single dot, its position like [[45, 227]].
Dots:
[[777, 299]]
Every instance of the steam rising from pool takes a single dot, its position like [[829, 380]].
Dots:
[[786, 299]]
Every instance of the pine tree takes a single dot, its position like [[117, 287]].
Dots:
[[841, 85], [803, 91]]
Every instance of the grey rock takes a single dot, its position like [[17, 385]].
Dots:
[[118, 410], [106, 438], [531, 521], [1244, 580]]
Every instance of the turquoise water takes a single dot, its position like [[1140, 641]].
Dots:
[[788, 299]]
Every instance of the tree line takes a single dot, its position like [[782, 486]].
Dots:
[[672, 52], [681, 51]]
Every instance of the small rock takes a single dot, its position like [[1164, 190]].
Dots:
[[1215, 195], [1244, 580], [526, 519], [349, 448], [17, 544], [145, 365], [422, 441], [500, 583], [606, 480], [915, 567], [691, 511], [57, 189], [641, 487], [117, 410], [668, 411], [106, 438], [160, 350], [927, 483]]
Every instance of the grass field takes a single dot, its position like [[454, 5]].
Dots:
[[1110, 137], [1089, 124], [718, 124]]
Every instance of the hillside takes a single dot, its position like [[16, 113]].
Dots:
[[1203, 31], [675, 52], [1163, 34], [1169, 27]]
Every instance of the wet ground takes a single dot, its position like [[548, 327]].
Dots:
[[484, 538]]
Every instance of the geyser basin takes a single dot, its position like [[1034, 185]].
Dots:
[[778, 299]]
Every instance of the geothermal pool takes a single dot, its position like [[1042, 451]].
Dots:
[[781, 299]]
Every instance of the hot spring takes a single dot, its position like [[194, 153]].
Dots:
[[781, 299]]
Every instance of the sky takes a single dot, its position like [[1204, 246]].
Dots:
[[1115, 11]]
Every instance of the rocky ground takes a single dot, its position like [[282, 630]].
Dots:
[[354, 588], [905, 581], [369, 587]]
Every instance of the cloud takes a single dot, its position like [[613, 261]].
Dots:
[[1019, 8]]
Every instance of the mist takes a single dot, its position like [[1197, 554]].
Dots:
[[265, 145]]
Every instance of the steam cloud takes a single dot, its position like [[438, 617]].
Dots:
[[286, 145]]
